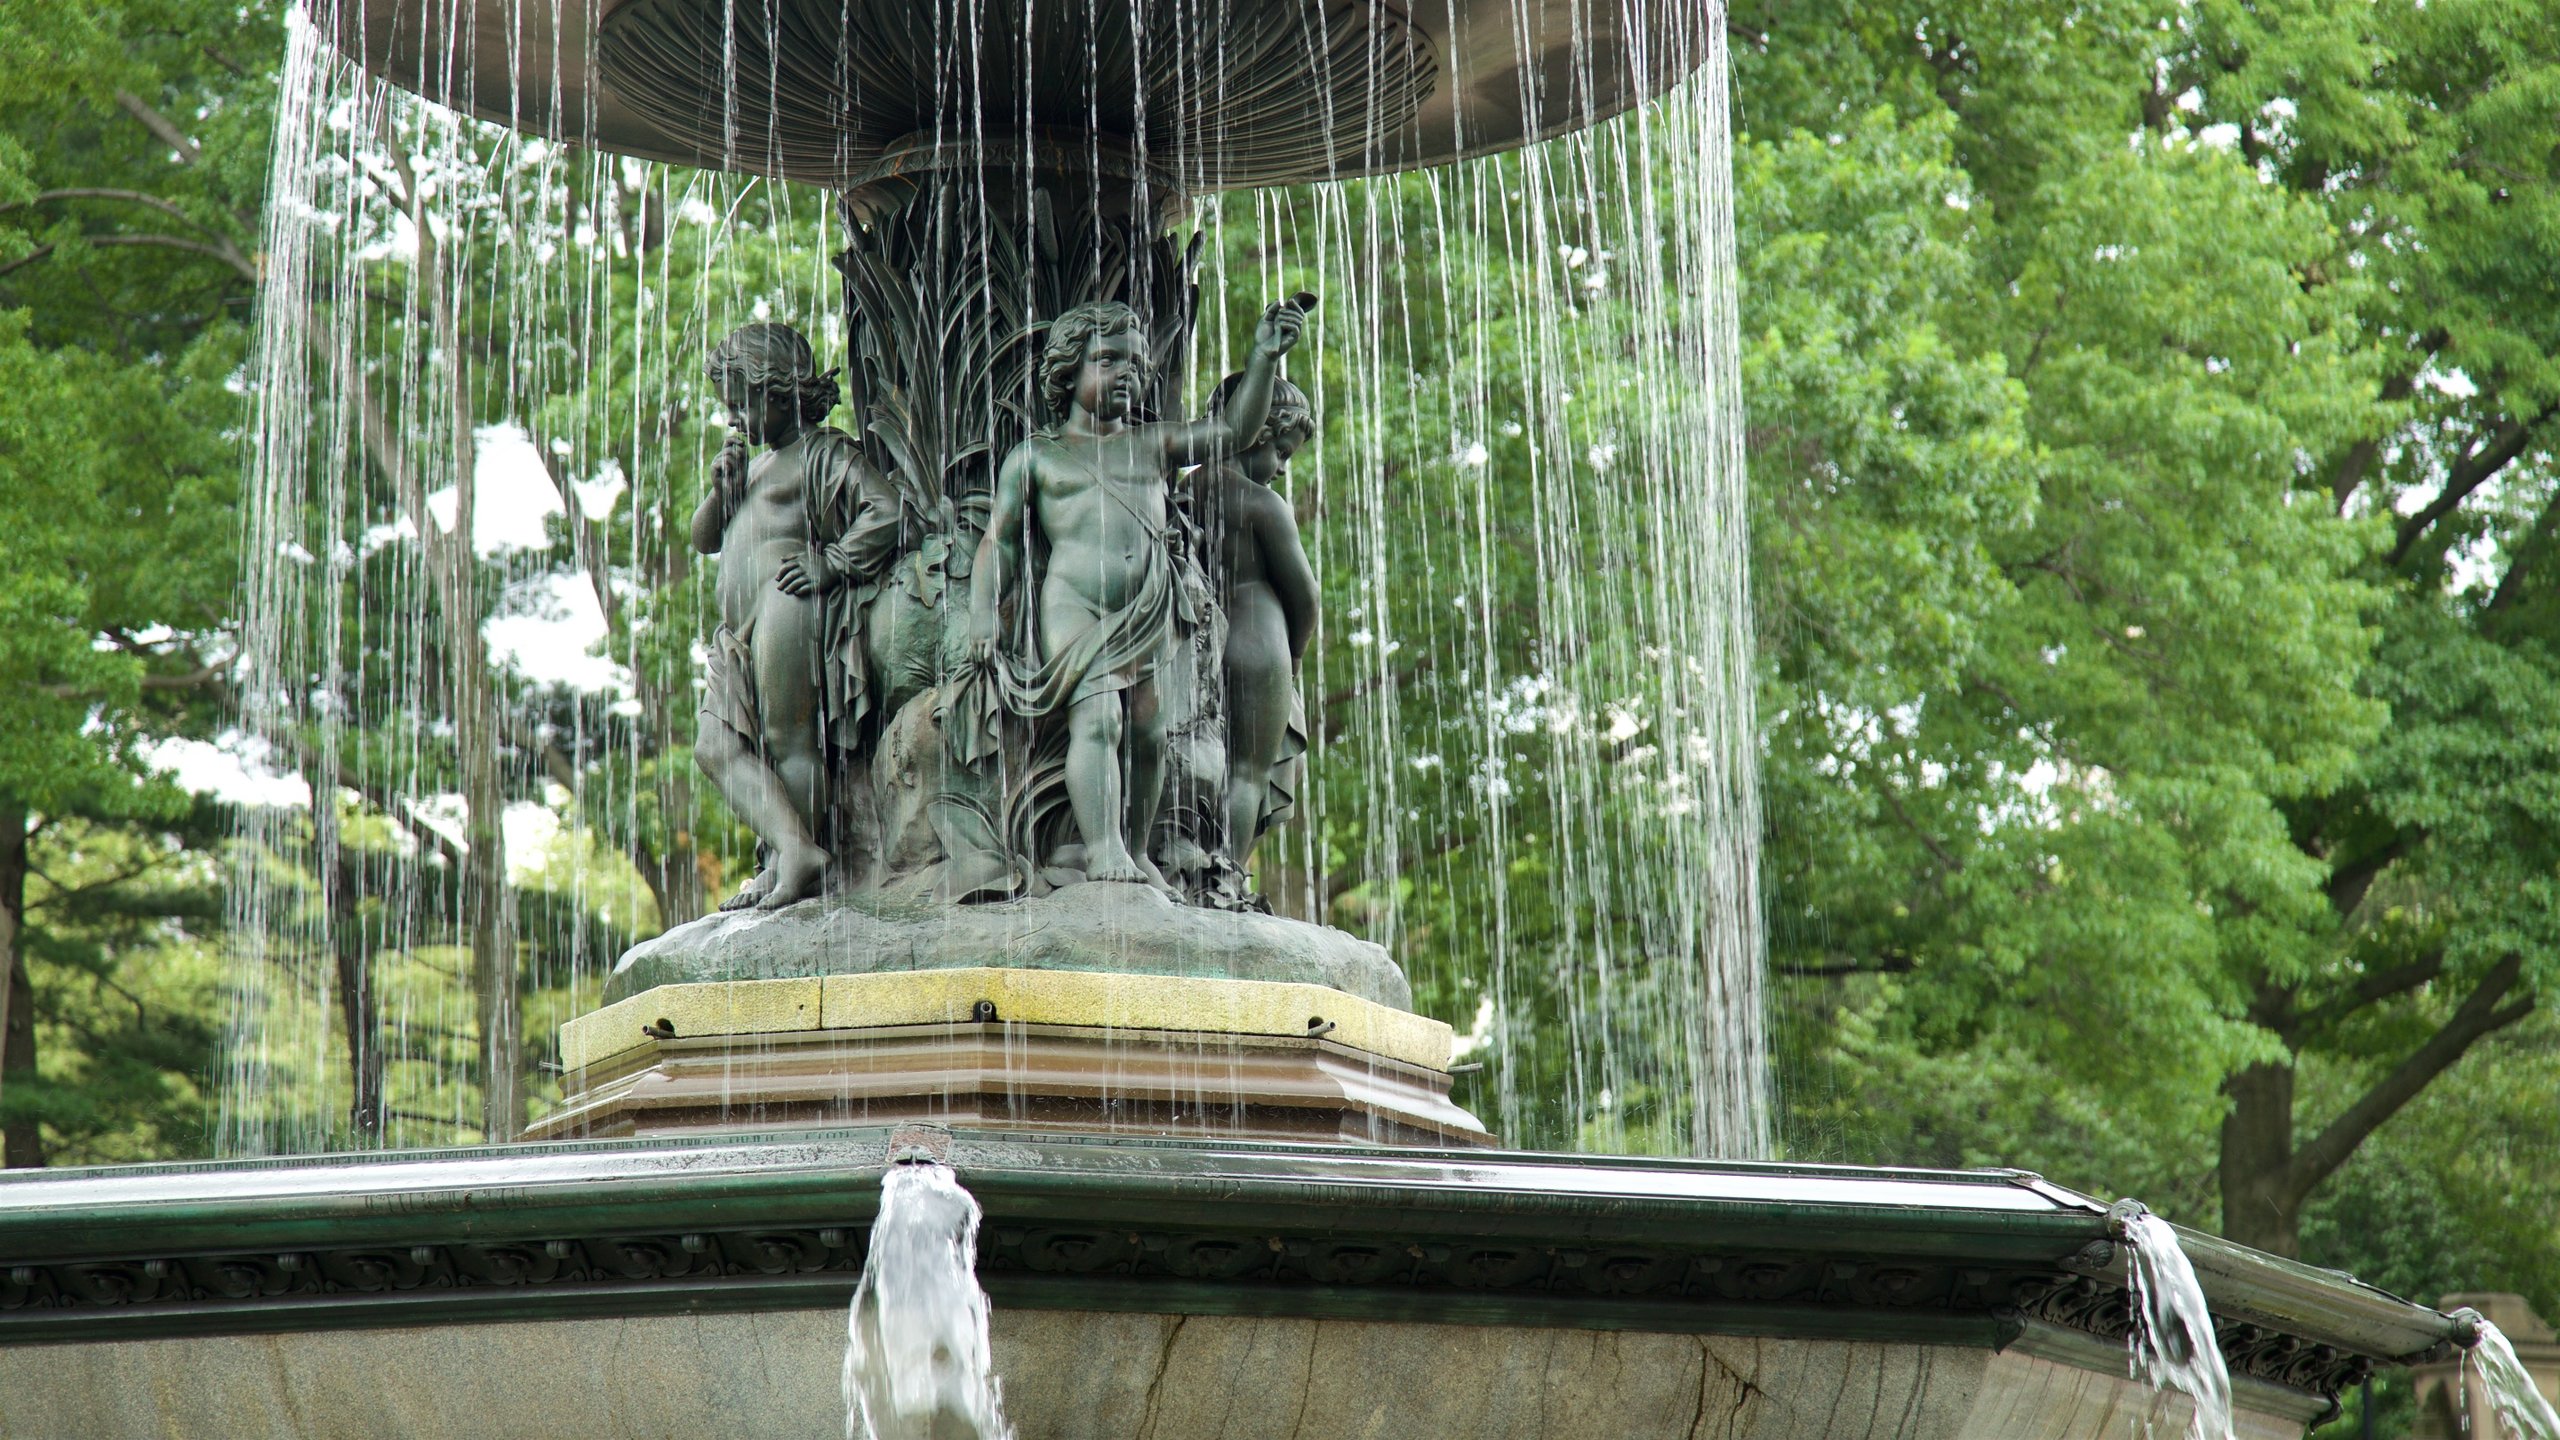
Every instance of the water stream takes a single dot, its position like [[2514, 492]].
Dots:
[[917, 1362], [2523, 1413], [2172, 1344]]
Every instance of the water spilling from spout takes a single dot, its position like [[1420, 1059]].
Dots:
[[917, 1362], [2523, 1414], [2173, 1341]]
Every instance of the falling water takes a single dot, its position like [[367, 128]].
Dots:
[[2523, 1413], [465, 328], [2172, 1344], [1531, 688], [917, 1360], [1533, 775]]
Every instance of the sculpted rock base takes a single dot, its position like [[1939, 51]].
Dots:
[[1127, 929]]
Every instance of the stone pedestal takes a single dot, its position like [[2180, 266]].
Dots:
[[1011, 1049]]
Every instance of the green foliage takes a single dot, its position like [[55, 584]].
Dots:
[[2218, 744], [132, 158], [123, 291], [1994, 540], [124, 950]]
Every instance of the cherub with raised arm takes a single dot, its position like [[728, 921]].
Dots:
[[1107, 602], [1269, 591], [797, 529]]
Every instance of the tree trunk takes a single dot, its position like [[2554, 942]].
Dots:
[[13, 896], [476, 732], [2261, 1205], [22, 1142], [363, 1018], [676, 881], [360, 1013], [350, 947], [484, 869], [17, 999], [493, 937]]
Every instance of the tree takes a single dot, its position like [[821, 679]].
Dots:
[[2228, 767], [129, 169], [2421, 131]]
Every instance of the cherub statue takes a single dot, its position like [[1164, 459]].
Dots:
[[796, 529], [1108, 600], [1269, 592]]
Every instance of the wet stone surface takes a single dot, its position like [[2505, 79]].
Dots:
[[1125, 929]]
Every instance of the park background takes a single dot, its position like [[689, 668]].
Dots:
[[2155, 536]]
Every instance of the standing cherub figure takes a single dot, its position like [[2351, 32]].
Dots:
[[1269, 592], [1108, 600], [797, 529]]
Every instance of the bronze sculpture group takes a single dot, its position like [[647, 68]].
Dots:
[[1111, 696]]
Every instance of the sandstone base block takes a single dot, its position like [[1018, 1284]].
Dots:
[[1011, 1049]]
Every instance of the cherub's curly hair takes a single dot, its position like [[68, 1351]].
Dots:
[[769, 355], [1068, 335], [1290, 408]]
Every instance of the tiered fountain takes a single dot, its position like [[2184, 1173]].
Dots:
[[1004, 689]]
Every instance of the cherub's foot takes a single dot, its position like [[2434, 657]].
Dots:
[[1147, 871], [1114, 864], [796, 874], [750, 893]]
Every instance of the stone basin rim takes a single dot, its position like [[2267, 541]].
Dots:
[[1557, 1205]]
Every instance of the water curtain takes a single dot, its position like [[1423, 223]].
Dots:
[[481, 423]]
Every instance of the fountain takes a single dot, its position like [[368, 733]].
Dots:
[[1005, 689]]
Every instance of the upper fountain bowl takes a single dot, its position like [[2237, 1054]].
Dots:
[[1207, 97]]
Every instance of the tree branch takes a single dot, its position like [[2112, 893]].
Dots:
[[27, 259], [1946, 862], [383, 444], [1887, 962], [586, 535], [2374, 987], [2476, 469], [2528, 557], [197, 679], [164, 206], [223, 252], [2360, 456], [2479, 1015], [158, 124], [399, 811], [2349, 883], [556, 765]]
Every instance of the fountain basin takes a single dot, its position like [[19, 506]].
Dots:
[[1142, 1287], [1261, 93]]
